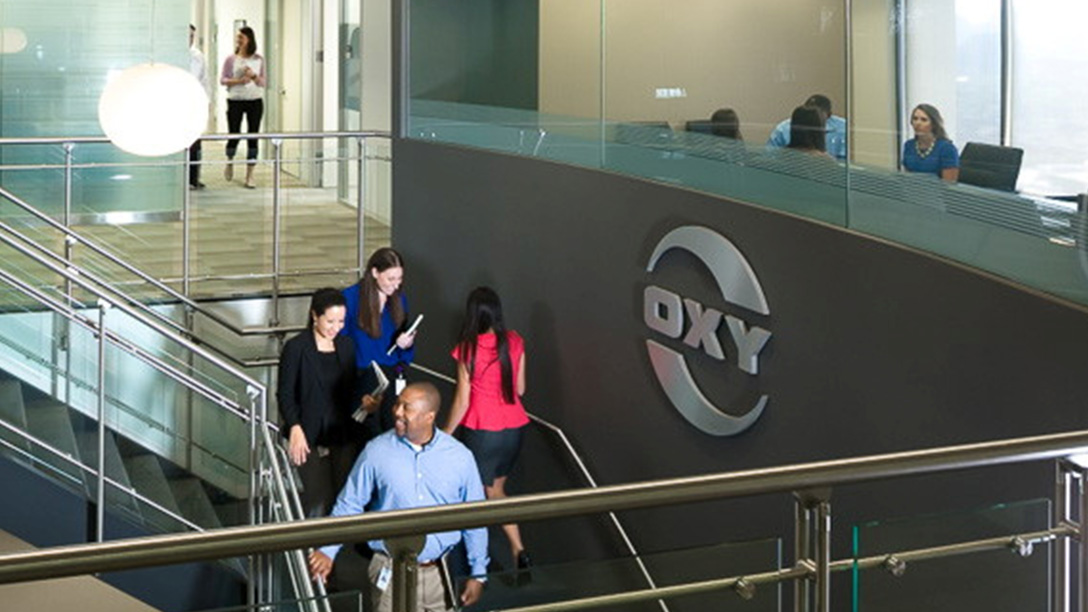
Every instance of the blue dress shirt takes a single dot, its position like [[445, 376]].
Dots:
[[369, 349], [835, 138], [390, 474]]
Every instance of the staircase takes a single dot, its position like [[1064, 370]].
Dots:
[[93, 379], [45, 435]]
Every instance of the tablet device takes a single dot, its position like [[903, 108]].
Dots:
[[410, 329]]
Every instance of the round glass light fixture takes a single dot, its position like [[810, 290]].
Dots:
[[12, 40], [153, 109]]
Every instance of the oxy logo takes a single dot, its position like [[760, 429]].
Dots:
[[664, 312]]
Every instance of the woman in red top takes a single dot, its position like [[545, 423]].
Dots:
[[490, 382]]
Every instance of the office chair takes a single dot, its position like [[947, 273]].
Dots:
[[990, 166], [699, 126]]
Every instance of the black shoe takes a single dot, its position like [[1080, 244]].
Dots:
[[525, 565]]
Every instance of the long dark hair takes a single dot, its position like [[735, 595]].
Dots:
[[725, 122], [251, 41], [323, 300], [482, 313], [370, 309], [807, 131]]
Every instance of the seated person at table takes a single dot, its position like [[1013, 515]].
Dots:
[[725, 123], [807, 131], [930, 150], [834, 125]]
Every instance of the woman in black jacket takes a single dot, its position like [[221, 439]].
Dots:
[[316, 396]]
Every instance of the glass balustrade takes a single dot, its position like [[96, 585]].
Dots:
[[336, 602], [632, 88], [1018, 575], [182, 454], [559, 582], [290, 235]]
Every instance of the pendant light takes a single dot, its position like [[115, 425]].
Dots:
[[153, 109]]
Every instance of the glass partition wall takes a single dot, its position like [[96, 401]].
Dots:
[[643, 87], [54, 64]]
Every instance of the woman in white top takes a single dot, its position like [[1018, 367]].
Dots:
[[243, 74]]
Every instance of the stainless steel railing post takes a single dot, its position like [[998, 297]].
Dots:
[[404, 551], [1062, 549], [277, 165], [1080, 583], [802, 517], [186, 235], [100, 492], [360, 199], [255, 470], [812, 546], [823, 556]]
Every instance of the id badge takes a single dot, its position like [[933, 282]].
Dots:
[[384, 576], [399, 385]]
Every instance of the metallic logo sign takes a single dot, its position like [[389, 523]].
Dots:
[[665, 312]]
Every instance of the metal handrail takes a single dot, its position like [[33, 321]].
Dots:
[[297, 564], [181, 548], [56, 452], [73, 275], [63, 140], [105, 296], [585, 474], [77, 238], [300, 578]]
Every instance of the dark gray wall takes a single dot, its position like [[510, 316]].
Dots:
[[876, 348]]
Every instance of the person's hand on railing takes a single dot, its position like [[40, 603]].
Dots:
[[297, 447], [320, 566]]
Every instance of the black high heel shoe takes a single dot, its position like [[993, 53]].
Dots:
[[524, 565]]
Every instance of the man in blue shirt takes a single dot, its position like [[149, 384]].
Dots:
[[414, 465], [836, 128]]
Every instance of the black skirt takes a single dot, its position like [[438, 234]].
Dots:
[[495, 451]]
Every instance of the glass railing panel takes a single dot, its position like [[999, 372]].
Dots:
[[231, 233], [319, 204], [351, 601], [192, 432], [952, 582], [554, 583], [201, 432], [1039, 242], [107, 182], [34, 172], [632, 87]]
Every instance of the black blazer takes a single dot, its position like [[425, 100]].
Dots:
[[325, 414]]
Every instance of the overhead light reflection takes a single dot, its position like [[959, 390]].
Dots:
[[12, 40]]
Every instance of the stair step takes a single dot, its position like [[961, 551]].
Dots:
[[50, 422], [115, 468], [232, 513], [193, 500], [12, 412], [147, 477]]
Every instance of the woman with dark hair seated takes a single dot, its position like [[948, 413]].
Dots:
[[725, 122], [807, 131]]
